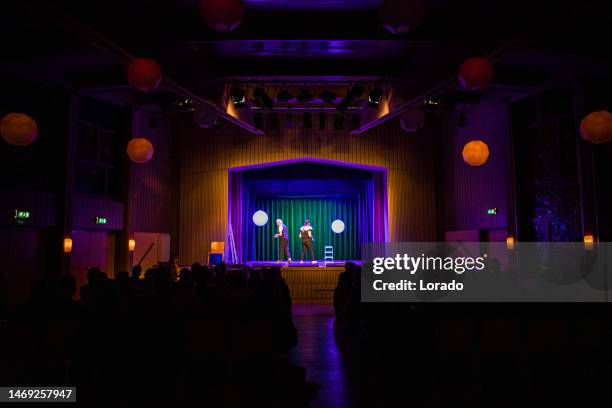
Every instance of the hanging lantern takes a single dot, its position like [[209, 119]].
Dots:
[[596, 127], [401, 16], [144, 74], [476, 73], [412, 120], [18, 129], [475, 153], [140, 150], [222, 15]]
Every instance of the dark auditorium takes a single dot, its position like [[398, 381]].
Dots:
[[305, 203]]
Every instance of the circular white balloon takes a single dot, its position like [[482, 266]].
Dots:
[[337, 226], [260, 218]]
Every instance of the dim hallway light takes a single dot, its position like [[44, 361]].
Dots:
[[67, 245], [589, 240]]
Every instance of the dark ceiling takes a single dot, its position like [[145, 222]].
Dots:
[[285, 38]]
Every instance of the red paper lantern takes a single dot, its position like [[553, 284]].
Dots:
[[401, 16], [475, 153], [596, 127], [222, 15], [144, 74], [476, 73], [18, 129], [140, 150]]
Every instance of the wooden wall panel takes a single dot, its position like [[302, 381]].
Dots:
[[151, 183], [42, 207], [468, 191], [85, 210], [206, 156]]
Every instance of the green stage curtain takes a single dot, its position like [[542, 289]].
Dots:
[[321, 212]]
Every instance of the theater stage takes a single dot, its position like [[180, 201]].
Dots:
[[308, 282]]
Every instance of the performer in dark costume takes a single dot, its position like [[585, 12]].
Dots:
[[307, 238], [283, 240]]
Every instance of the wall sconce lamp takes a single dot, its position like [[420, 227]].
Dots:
[[131, 245], [510, 243], [67, 245], [589, 240]]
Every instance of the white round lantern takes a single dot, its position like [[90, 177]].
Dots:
[[260, 218], [338, 226]]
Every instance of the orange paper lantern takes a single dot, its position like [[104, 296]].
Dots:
[[401, 16], [140, 150], [18, 129], [222, 15], [144, 74], [476, 73], [596, 127], [475, 153]]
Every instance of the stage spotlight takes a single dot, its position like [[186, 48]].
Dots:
[[260, 218], [337, 226], [307, 120], [238, 98], [375, 97], [350, 98], [304, 96], [262, 97], [185, 105], [284, 96], [327, 96]]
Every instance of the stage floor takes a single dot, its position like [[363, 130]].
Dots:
[[298, 264], [308, 282]]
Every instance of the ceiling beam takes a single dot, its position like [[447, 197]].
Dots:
[[114, 51]]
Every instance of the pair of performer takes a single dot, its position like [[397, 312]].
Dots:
[[283, 240]]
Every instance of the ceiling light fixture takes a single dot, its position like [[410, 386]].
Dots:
[[350, 98], [237, 96], [284, 96], [327, 96], [375, 97], [305, 96], [262, 97]]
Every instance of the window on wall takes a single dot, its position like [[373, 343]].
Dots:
[[100, 137]]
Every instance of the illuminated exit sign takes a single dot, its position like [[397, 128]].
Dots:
[[22, 215], [101, 220], [492, 211]]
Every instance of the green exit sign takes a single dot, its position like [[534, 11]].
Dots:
[[492, 211], [101, 220], [22, 215]]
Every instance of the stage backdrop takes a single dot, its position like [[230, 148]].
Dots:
[[207, 155], [293, 211]]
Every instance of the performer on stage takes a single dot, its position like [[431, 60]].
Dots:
[[283, 240], [307, 238]]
